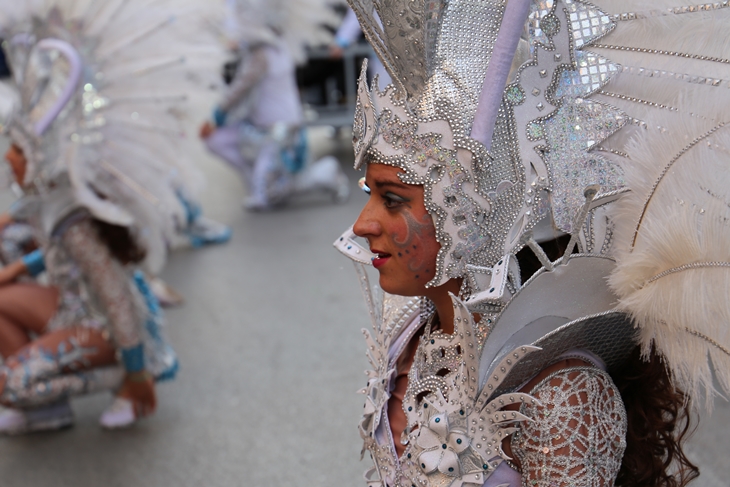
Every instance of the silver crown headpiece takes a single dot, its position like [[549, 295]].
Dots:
[[497, 149]]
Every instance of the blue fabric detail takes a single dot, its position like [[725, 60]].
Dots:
[[133, 358], [169, 374], [343, 43], [153, 304], [153, 326], [35, 263], [295, 157], [198, 241], [219, 117], [192, 209]]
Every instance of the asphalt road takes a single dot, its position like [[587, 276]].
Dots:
[[271, 356]]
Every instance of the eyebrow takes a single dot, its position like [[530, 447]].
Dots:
[[391, 184]]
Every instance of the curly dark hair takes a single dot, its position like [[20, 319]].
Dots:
[[121, 242], [659, 420]]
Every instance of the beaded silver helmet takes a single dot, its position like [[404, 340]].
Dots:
[[493, 161]]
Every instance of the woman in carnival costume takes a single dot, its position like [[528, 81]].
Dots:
[[257, 125], [91, 148], [608, 124]]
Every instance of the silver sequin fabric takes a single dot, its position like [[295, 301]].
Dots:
[[578, 436], [94, 288]]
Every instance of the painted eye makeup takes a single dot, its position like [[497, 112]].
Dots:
[[393, 200], [395, 197]]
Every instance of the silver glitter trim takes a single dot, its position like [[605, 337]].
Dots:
[[686, 267], [689, 147], [707, 339]]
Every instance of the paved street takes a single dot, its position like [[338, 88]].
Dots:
[[271, 356]]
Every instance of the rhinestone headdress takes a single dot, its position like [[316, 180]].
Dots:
[[492, 167]]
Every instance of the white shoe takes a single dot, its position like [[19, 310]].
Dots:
[[47, 418], [204, 231], [119, 415], [13, 422]]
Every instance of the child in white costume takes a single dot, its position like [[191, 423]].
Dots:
[[257, 125]]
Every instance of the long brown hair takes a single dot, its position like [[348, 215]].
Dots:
[[659, 420]]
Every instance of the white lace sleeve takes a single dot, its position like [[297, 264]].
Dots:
[[578, 435], [107, 279]]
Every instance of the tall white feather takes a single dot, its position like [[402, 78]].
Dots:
[[672, 234]]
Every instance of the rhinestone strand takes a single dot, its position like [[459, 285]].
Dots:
[[613, 151], [686, 9], [690, 146], [689, 78], [662, 52], [707, 339], [686, 267], [638, 100]]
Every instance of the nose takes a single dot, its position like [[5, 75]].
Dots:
[[367, 224]]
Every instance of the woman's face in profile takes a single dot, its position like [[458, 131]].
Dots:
[[17, 162], [399, 230]]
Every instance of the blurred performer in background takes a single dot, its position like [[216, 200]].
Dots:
[[257, 126], [93, 146]]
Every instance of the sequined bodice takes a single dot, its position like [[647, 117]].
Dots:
[[570, 429]]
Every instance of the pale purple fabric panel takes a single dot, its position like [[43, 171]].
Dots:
[[490, 99], [69, 90], [504, 475]]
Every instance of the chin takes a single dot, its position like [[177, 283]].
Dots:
[[401, 288]]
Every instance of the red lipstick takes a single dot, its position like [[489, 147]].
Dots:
[[380, 258]]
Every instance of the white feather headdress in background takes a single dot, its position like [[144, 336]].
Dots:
[[121, 136]]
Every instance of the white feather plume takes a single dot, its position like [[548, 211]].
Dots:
[[672, 231], [145, 61]]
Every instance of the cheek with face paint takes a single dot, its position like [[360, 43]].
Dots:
[[417, 246]]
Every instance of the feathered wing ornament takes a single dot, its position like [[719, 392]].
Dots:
[[299, 23], [672, 231], [118, 135]]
